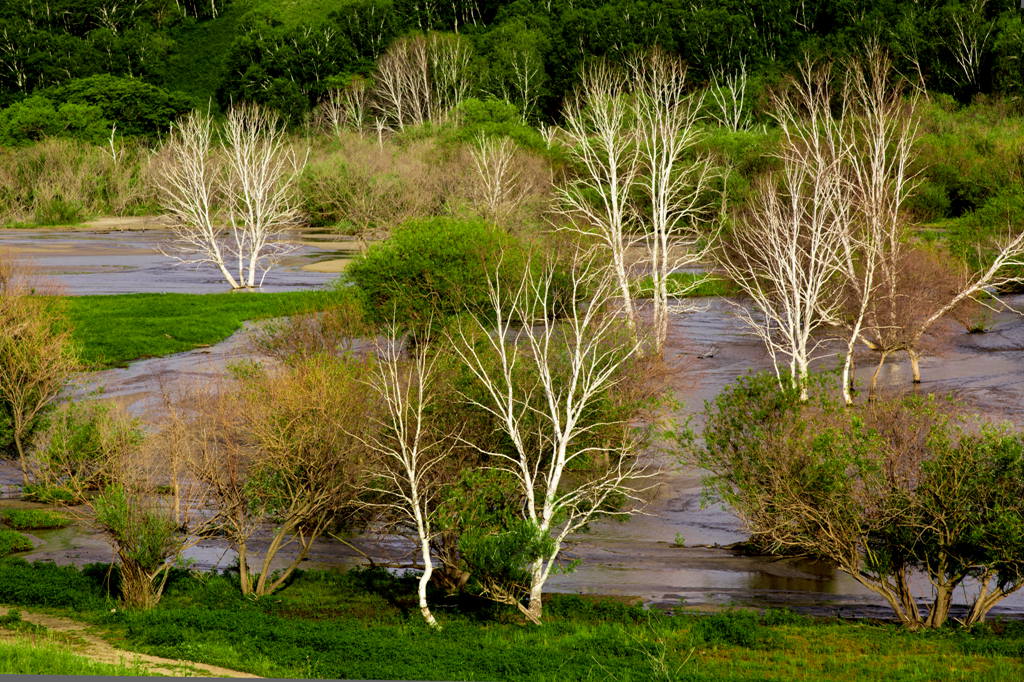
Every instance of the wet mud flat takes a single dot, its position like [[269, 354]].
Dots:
[[676, 552], [131, 261]]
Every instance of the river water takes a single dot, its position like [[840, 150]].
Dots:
[[673, 554]]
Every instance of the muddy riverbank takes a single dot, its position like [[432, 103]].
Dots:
[[642, 557], [674, 552], [129, 261]]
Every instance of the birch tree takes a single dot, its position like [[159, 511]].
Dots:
[[232, 203], [498, 185], [596, 200], [674, 178], [729, 99], [786, 251], [407, 453], [541, 378], [884, 128]]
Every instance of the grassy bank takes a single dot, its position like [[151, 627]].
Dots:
[[42, 656], [114, 330], [689, 285], [365, 625]]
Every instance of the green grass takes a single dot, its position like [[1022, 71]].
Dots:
[[12, 541], [364, 624], [111, 331], [689, 285], [44, 656], [33, 519]]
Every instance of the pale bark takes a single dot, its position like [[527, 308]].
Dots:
[[596, 201], [575, 361]]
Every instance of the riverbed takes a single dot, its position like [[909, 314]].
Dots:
[[675, 553]]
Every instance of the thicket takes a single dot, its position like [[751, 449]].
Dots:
[[881, 490]]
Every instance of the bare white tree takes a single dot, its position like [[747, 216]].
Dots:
[[232, 203], [540, 378], [497, 177], [971, 32], [407, 454], [344, 108], [786, 254], [421, 78], [601, 142], [674, 178], [729, 97], [883, 125]]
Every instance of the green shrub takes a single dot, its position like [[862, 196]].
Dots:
[[433, 269], [732, 628], [47, 494], [45, 584], [34, 519], [12, 541], [79, 443]]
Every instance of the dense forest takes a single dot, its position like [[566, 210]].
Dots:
[[79, 66]]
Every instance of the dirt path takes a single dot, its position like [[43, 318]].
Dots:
[[93, 647]]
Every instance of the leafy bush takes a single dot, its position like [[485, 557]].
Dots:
[[433, 269], [879, 490], [13, 541], [38, 117], [138, 108], [144, 537], [76, 448], [34, 519]]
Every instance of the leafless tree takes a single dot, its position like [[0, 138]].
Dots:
[[883, 125], [232, 203], [971, 32], [401, 475], [540, 377], [344, 108], [786, 251], [675, 180], [729, 97], [498, 186], [261, 170], [421, 77], [596, 200]]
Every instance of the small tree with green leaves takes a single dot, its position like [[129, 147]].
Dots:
[[882, 490]]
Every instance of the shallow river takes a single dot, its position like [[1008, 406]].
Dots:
[[639, 558]]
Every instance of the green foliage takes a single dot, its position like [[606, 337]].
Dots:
[[732, 628], [493, 117], [434, 269], [146, 536], [138, 108], [47, 494], [687, 285], [363, 624], [38, 117], [13, 541], [76, 449], [33, 519], [13, 621], [877, 489], [49, 585], [113, 330], [495, 544]]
